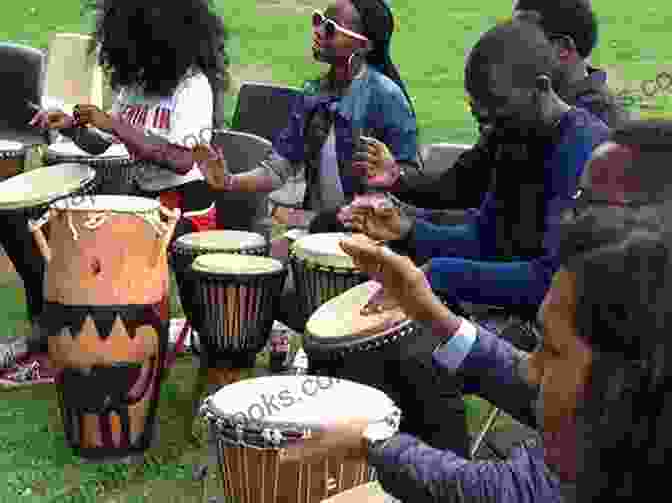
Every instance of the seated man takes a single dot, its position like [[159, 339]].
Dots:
[[507, 254], [597, 386], [572, 29]]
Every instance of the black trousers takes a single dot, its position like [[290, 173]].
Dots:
[[21, 249]]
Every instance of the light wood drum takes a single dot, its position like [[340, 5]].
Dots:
[[256, 420], [106, 314]]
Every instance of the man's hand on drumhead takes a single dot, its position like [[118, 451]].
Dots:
[[375, 161], [94, 116], [52, 119], [343, 438], [381, 224], [400, 278]]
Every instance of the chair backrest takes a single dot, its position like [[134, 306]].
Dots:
[[241, 211], [264, 109], [22, 76], [73, 76], [438, 157]]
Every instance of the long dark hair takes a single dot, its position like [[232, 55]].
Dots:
[[621, 257], [155, 43], [378, 26]]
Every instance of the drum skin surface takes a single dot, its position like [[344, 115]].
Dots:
[[254, 471]]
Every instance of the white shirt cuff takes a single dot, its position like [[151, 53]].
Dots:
[[451, 354]]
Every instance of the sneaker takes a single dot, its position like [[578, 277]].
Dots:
[[11, 351]]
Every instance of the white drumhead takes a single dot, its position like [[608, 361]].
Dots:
[[224, 241], [6, 145], [230, 263], [324, 249], [71, 149], [340, 316], [43, 185], [113, 204], [300, 400], [295, 234]]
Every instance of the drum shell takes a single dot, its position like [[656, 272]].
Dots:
[[235, 313], [12, 163], [251, 474], [359, 359], [109, 265], [181, 259], [316, 284]]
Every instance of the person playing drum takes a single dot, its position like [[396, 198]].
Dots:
[[596, 387], [506, 255], [362, 95], [162, 58]]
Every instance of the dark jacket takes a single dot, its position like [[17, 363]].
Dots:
[[465, 184], [416, 473]]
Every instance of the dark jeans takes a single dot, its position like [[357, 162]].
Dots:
[[21, 249]]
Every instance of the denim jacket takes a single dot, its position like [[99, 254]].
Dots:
[[374, 106]]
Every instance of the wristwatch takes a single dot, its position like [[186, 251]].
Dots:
[[377, 434]]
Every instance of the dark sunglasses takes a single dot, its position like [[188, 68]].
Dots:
[[331, 27]]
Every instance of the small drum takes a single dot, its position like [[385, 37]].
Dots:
[[190, 246], [253, 421], [237, 297], [106, 314], [321, 270], [115, 172], [12, 158], [32, 192], [341, 342]]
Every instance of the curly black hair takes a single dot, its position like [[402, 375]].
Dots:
[[573, 18], [156, 43]]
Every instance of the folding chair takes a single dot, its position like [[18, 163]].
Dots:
[[22, 70], [520, 330], [264, 109], [73, 76]]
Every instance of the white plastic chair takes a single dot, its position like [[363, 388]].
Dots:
[[72, 76]]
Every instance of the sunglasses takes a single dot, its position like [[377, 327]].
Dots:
[[331, 27]]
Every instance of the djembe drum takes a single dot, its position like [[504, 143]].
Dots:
[[106, 314], [186, 248], [321, 270], [33, 192], [236, 300], [12, 158], [341, 342], [255, 420], [115, 171]]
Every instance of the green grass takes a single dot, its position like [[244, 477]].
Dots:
[[429, 49]]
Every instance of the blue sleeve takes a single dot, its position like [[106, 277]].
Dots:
[[399, 127], [412, 471], [494, 370], [428, 240]]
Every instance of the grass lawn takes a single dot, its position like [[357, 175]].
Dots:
[[271, 41]]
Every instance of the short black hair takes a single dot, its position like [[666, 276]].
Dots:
[[512, 54], [574, 18], [622, 261]]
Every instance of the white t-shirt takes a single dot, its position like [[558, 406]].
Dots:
[[188, 112]]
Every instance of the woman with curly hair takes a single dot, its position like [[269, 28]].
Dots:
[[163, 60]]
